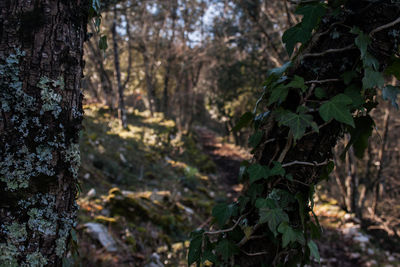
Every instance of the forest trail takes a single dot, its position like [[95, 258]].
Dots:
[[343, 243], [227, 157]]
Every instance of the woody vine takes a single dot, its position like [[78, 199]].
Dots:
[[345, 51]]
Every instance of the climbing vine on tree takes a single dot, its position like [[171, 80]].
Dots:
[[344, 51]]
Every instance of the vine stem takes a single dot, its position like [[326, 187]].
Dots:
[[247, 238], [255, 253], [322, 81], [380, 28], [329, 51], [226, 230], [296, 162]]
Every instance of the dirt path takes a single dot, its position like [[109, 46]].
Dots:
[[227, 158]]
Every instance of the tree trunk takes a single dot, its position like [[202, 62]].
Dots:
[[121, 105], [41, 47], [319, 69]]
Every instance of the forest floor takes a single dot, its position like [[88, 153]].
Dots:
[[144, 190]]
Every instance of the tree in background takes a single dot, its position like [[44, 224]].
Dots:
[[41, 48]]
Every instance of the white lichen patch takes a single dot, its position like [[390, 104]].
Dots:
[[73, 157], [51, 100], [35, 259]]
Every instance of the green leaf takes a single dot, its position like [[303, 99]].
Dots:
[[301, 33], [274, 217], [260, 118], [275, 73], [290, 235], [302, 203], [337, 108], [226, 249], [244, 120], [314, 250], [257, 171], [362, 41], [315, 231], [394, 68], [320, 93], [265, 203], [282, 197], [297, 123], [294, 35], [297, 82], [277, 169], [195, 247], [360, 135], [103, 43], [370, 61], [255, 138], [326, 170], [348, 76], [390, 93], [372, 79], [312, 15], [222, 212], [278, 94], [354, 93]]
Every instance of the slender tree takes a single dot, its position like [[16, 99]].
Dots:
[[41, 47]]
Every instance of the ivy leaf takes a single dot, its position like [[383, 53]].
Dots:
[[360, 135], [370, 61], [275, 73], [354, 93], [103, 43], [278, 94], [372, 78], [312, 15], [265, 203], [255, 138], [195, 247], [294, 35], [348, 76], [257, 171], [260, 118], [297, 123], [320, 93], [301, 33], [362, 41], [277, 169], [244, 120], [274, 217], [226, 249], [394, 68], [222, 212], [315, 230], [337, 108], [390, 93], [314, 250], [297, 82], [290, 235]]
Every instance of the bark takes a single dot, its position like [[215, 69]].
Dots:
[[314, 147], [121, 104], [41, 47]]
